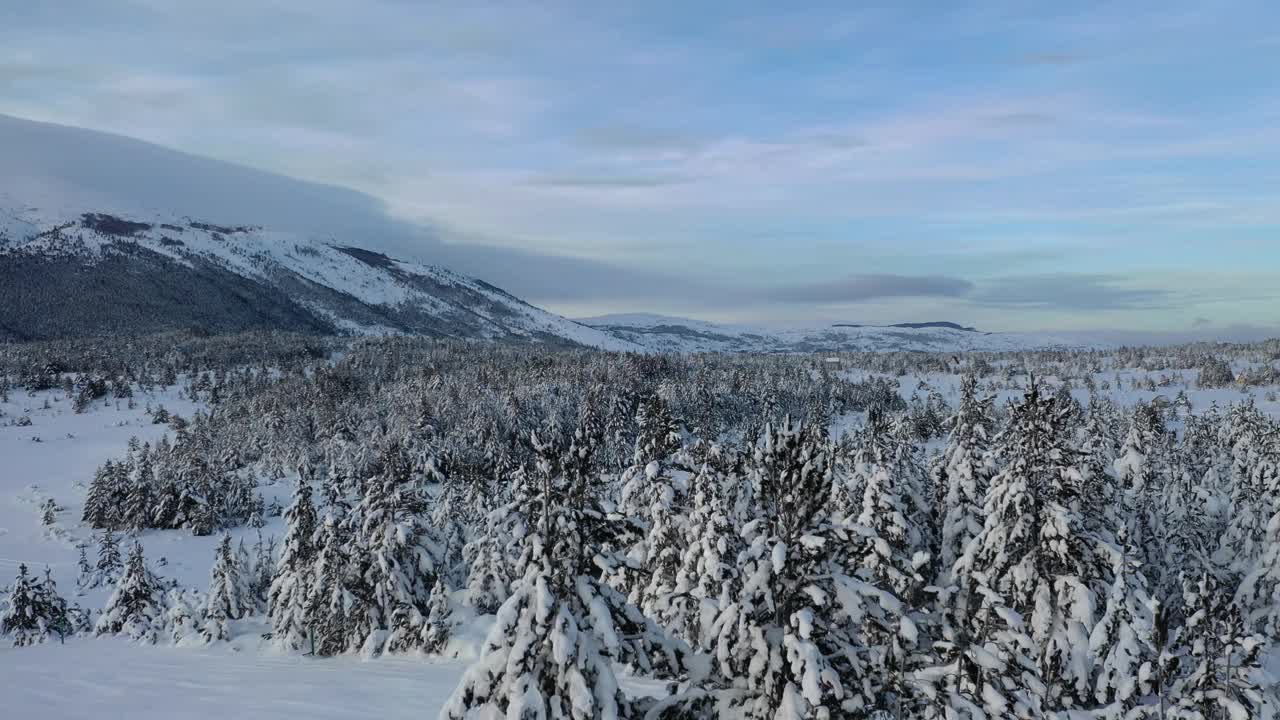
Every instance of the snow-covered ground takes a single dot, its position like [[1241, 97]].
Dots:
[[92, 679]]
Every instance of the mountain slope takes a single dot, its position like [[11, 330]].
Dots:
[[670, 334], [100, 273]]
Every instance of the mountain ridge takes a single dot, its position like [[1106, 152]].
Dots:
[[664, 333], [105, 273]]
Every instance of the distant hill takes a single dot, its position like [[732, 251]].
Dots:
[[671, 334]]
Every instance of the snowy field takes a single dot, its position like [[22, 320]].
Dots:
[[55, 457], [113, 679]]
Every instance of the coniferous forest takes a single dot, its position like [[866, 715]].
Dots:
[[1072, 534]]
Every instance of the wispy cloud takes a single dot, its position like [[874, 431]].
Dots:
[[857, 288], [1072, 292]]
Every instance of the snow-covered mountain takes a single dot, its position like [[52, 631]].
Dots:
[[672, 334], [99, 273]]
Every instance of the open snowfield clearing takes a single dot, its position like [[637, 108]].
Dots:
[[109, 678]]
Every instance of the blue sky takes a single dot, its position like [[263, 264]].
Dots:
[[1016, 165]]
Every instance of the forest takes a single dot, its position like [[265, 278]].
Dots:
[[1085, 533]]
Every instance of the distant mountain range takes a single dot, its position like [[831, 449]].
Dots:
[[672, 334], [105, 235]]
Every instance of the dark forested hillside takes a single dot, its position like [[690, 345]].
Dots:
[[101, 274]]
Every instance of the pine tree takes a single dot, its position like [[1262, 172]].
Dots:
[[1221, 656], [965, 474], [229, 595], [339, 602], [487, 583], [28, 619], [1123, 641], [133, 608], [1242, 542], [1033, 557], [99, 510], [648, 495], [138, 510], [783, 643], [400, 558], [663, 550], [183, 619], [1259, 592], [438, 627], [1140, 477], [707, 578], [109, 566], [84, 576], [552, 648], [290, 591]]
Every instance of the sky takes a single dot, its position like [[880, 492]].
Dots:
[[1072, 167]]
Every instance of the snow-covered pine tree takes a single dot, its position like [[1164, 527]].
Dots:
[[1259, 593], [109, 566], [647, 494], [1221, 656], [339, 604], [137, 513], [84, 574], [438, 626], [398, 563], [706, 580], [1242, 542], [23, 619], [229, 597], [1099, 502], [1123, 640], [664, 545], [99, 508], [183, 618], [965, 472], [1140, 475], [487, 583], [1031, 563], [551, 651], [783, 646], [133, 609], [290, 591]]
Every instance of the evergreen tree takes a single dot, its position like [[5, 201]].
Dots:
[[1221, 657], [1034, 558], [1259, 592], [230, 597], [84, 576], [183, 620], [339, 603], [290, 591], [706, 580], [784, 644], [109, 566], [487, 584], [399, 558], [1123, 641], [99, 508], [551, 651], [138, 509], [438, 626], [133, 609], [34, 611], [965, 474]]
